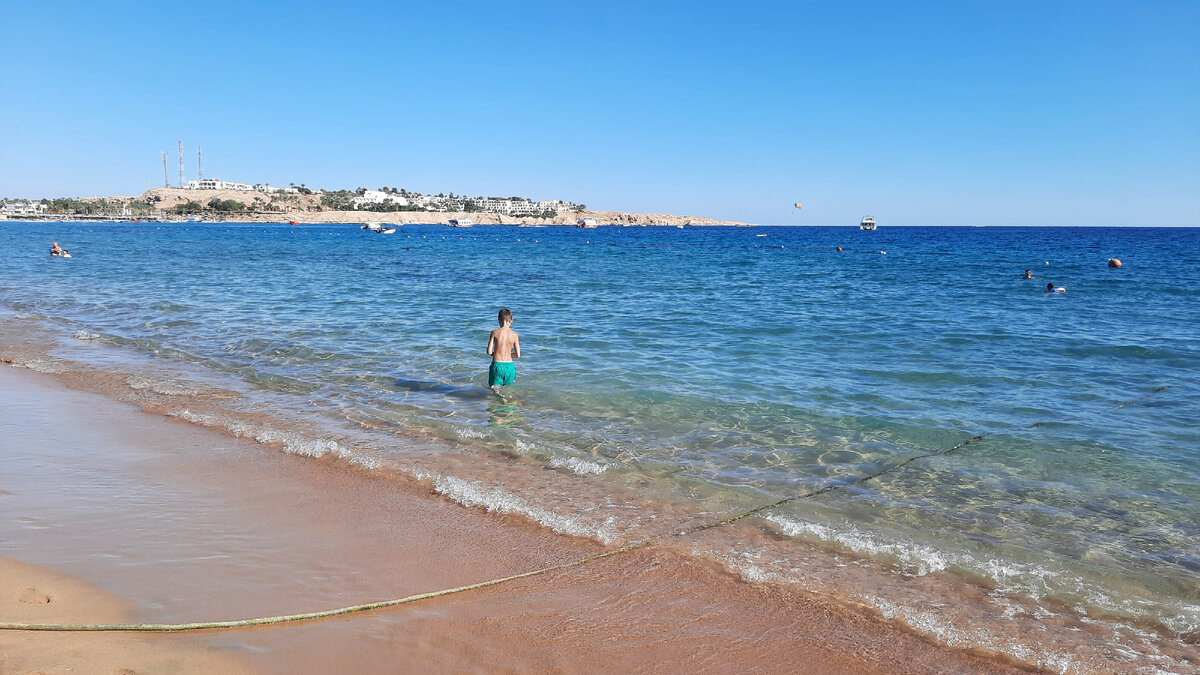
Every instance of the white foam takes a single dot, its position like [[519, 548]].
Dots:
[[168, 387], [495, 499], [86, 336], [45, 366], [293, 443], [466, 431], [581, 467], [746, 565], [914, 559], [944, 631]]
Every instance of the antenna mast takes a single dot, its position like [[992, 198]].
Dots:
[[199, 164], [166, 181], [181, 163]]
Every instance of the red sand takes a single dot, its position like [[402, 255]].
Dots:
[[186, 524]]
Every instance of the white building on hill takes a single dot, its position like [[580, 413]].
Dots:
[[217, 184], [373, 197], [24, 209]]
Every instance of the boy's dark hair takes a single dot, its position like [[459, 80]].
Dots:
[[504, 316]]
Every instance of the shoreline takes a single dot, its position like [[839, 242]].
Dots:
[[604, 219], [307, 209], [653, 606]]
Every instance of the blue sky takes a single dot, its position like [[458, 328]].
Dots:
[[931, 113]]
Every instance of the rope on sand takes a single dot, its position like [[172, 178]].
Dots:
[[353, 609]]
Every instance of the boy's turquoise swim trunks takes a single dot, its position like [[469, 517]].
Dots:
[[501, 373]]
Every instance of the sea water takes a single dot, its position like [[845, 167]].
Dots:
[[715, 368]]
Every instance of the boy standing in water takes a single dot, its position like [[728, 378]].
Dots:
[[503, 346]]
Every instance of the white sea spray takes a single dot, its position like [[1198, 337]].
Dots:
[[581, 467], [46, 366], [747, 565], [915, 559], [293, 443], [163, 386], [944, 631], [498, 500]]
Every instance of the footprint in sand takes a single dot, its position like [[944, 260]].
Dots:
[[31, 596]]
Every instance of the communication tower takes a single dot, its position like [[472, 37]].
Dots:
[[181, 163], [166, 181], [199, 164]]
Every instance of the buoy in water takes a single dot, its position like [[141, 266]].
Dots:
[[1114, 262], [839, 248]]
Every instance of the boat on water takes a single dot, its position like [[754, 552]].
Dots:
[[374, 227], [293, 222], [387, 229], [460, 222], [868, 223], [588, 223]]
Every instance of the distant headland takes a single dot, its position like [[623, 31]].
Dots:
[[222, 201]]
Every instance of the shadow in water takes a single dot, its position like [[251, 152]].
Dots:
[[503, 411], [465, 392]]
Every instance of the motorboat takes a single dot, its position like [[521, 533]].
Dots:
[[868, 223]]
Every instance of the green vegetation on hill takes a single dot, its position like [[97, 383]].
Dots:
[[68, 205]]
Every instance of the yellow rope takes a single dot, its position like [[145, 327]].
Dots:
[[288, 618], [268, 620]]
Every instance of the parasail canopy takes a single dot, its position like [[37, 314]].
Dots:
[[799, 205]]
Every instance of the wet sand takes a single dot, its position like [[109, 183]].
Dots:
[[152, 519]]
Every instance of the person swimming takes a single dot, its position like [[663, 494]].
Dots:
[[1051, 288], [1028, 275], [55, 249]]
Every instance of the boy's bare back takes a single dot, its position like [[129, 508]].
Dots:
[[504, 344]]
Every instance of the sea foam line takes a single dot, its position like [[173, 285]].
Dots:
[[467, 493], [293, 443], [498, 500]]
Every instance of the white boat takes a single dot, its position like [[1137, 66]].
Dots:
[[868, 223], [589, 223], [387, 229], [374, 227], [460, 222]]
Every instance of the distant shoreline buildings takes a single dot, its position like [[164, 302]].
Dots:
[[385, 199], [390, 199], [373, 200], [218, 184]]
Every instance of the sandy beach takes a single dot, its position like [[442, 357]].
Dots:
[[113, 514]]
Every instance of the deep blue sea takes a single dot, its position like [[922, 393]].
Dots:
[[711, 369]]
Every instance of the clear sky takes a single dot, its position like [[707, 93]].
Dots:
[[967, 112]]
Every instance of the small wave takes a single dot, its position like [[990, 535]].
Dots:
[[944, 631], [294, 443], [495, 499], [45, 366], [1011, 578], [914, 559], [86, 336], [581, 467], [747, 566], [167, 387]]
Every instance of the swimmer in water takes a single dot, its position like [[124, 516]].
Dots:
[[1028, 275], [55, 249], [1051, 288], [503, 346]]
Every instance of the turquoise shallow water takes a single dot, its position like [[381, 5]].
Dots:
[[728, 369]]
